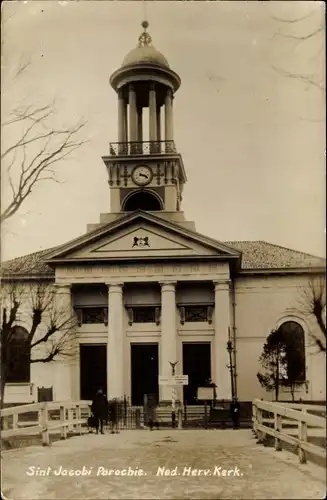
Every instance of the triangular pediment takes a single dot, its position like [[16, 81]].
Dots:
[[141, 236], [142, 239]]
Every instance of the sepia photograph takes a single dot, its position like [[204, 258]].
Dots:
[[163, 256]]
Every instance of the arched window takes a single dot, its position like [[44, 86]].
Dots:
[[293, 335], [19, 356], [142, 200]]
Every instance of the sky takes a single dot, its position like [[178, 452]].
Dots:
[[252, 139]]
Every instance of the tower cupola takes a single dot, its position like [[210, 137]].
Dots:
[[145, 170]]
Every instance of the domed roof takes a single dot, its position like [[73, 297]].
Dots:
[[145, 52]]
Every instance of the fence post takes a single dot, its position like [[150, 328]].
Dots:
[[180, 418], [78, 417], [259, 422], [4, 423], [138, 418], [278, 428], [303, 437], [44, 423], [62, 421], [15, 421], [254, 418], [70, 418]]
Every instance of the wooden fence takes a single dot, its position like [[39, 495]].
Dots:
[[290, 423], [44, 418]]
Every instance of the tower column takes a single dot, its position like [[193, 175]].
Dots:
[[121, 117], [169, 116], [140, 123], [115, 341], [132, 114], [158, 124], [125, 124], [222, 328], [152, 113], [168, 347]]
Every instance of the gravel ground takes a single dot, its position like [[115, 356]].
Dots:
[[164, 464]]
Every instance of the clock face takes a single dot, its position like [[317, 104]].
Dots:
[[142, 175]]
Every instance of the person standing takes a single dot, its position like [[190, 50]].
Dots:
[[100, 410], [235, 409]]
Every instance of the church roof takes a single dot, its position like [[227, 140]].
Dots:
[[256, 255]]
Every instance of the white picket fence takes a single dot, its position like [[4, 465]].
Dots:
[[290, 423], [71, 415]]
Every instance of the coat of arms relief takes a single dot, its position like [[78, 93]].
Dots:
[[141, 242]]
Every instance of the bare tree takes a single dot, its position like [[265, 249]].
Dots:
[[307, 32], [49, 327], [33, 156], [312, 303], [32, 147]]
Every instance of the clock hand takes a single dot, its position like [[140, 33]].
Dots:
[[143, 175]]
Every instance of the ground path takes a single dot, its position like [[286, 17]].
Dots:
[[257, 472]]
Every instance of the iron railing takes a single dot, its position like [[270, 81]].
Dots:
[[141, 148]]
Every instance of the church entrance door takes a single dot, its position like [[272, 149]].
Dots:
[[144, 372], [93, 369], [197, 365]]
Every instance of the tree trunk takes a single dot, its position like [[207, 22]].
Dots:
[[2, 384]]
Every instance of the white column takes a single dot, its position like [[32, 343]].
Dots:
[[152, 113], [115, 341], [158, 124], [69, 371], [169, 116], [132, 114], [121, 117], [125, 124], [222, 327], [168, 342]]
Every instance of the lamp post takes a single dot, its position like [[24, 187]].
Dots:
[[173, 396], [231, 366]]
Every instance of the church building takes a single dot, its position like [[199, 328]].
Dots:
[[148, 291]]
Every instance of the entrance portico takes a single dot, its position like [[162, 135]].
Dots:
[[168, 330]]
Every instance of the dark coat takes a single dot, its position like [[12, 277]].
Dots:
[[235, 408], [100, 406]]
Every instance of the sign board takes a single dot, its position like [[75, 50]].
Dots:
[[164, 380], [173, 380], [180, 379], [205, 394]]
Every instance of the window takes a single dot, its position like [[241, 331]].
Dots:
[[196, 313], [92, 315], [144, 314], [19, 356], [293, 336]]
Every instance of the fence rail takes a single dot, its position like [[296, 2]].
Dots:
[[280, 426], [141, 148], [49, 417]]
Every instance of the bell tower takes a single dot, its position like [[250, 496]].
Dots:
[[144, 168]]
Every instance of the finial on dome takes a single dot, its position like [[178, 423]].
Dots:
[[145, 38]]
